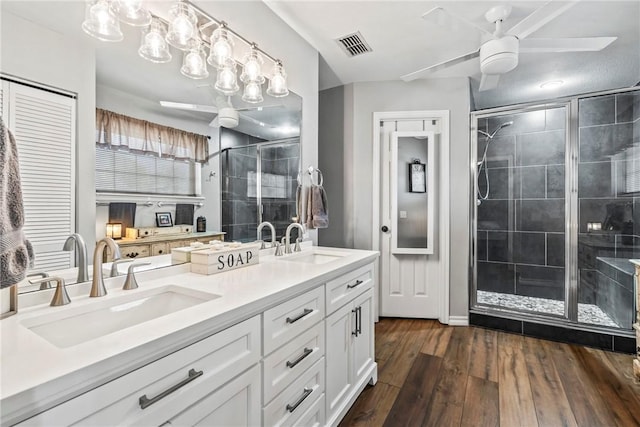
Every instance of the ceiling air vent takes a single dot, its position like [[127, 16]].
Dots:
[[354, 44]]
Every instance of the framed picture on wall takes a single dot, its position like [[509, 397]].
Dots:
[[417, 177], [163, 219]]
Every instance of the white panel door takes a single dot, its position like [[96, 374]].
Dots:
[[409, 284]]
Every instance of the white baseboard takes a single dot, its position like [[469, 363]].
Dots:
[[458, 320]]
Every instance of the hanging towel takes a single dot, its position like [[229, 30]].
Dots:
[[317, 215], [16, 253], [184, 214], [124, 213]]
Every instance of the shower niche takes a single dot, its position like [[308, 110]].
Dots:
[[555, 210], [412, 192]]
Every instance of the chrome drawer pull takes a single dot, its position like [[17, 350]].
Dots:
[[299, 316], [145, 402], [358, 283], [307, 351], [355, 332], [307, 392]]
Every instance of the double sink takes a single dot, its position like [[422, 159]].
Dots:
[[77, 325]]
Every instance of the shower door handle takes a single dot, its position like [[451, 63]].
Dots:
[[384, 229]]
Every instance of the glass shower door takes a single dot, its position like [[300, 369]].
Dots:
[[520, 210]]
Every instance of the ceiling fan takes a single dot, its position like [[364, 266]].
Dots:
[[227, 115], [499, 54]]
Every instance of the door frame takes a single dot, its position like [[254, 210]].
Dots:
[[443, 225]]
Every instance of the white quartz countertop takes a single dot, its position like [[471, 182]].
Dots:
[[29, 362]]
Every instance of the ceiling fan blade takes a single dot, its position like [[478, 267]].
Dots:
[[191, 107], [489, 81], [451, 62], [256, 121], [449, 21], [540, 17], [260, 107], [578, 44]]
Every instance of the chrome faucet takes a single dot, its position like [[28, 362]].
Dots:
[[131, 282], [81, 248], [60, 296], [287, 242], [273, 234], [97, 284], [114, 266], [42, 274]]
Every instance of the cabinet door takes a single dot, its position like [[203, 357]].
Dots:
[[235, 404], [340, 326], [363, 343]]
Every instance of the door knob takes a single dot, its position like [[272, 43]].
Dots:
[[384, 228]]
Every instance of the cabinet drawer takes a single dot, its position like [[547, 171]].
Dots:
[[135, 251], [287, 408], [314, 417], [289, 361], [343, 289], [219, 358], [159, 248], [178, 244], [285, 321]]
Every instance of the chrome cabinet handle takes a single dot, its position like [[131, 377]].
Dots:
[[359, 320], [145, 402], [307, 392], [307, 351], [358, 283], [299, 316]]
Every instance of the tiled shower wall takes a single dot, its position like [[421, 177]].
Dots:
[[609, 197], [521, 225], [239, 212]]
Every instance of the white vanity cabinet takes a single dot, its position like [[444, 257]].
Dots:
[[294, 364], [350, 351], [187, 384]]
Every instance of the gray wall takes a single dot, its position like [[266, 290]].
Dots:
[[65, 63], [360, 101], [331, 155]]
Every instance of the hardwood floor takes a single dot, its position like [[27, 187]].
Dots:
[[435, 375]]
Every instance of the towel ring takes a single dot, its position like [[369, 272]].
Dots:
[[311, 170]]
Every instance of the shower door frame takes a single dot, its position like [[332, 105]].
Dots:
[[571, 216]]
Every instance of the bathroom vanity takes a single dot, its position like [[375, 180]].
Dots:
[[288, 341], [142, 247]]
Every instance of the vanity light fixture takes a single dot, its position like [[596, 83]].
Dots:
[[154, 47], [221, 46], [130, 12], [227, 79], [190, 29], [194, 65], [278, 82], [100, 23], [182, 26]]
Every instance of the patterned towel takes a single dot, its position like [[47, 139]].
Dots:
[[16, 253]]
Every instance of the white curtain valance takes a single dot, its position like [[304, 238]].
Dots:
[[120, 131]]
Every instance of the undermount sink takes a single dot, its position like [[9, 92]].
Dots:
[[104, 317], [315, 257]]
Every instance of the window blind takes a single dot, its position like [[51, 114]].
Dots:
[[43, 124], [129, 172]]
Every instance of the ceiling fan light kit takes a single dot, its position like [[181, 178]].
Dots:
[[186, 29], [499, 55]]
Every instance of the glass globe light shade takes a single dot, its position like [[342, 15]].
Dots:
[[182, 26], [153, 46], [227, 80], [99, 23], [221, 47], [278, 82], [252, 69], [194, 65], [130, 12], [252, 92]]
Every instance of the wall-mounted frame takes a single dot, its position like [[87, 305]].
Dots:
[[412, 193], [163, 219], [417, 177]]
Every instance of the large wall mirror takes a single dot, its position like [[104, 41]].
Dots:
[[250, 174]]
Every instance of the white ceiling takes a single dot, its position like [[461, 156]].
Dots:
[[402, 42]]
